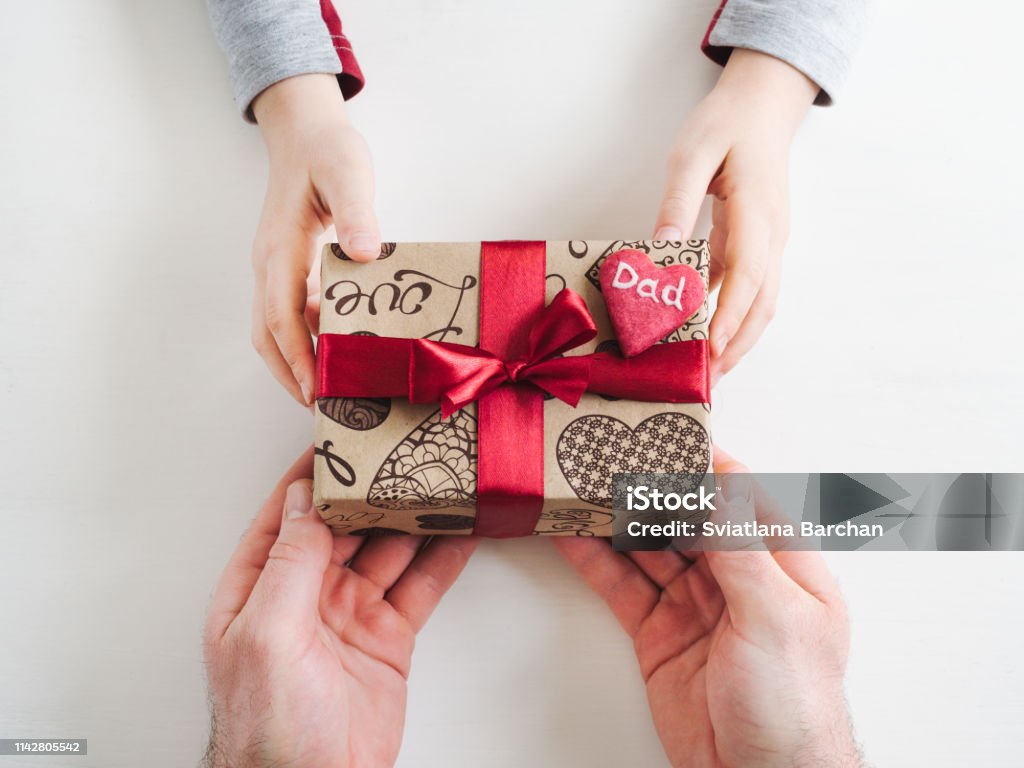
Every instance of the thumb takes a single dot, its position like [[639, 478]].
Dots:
[[686, 185], [288, 589], [350, 200], [753, 584]]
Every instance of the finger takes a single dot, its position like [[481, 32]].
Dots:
[[343, 550], [265, 345], [753, 583], [762, 508], [250, 556], [746, 254], [716, 244], [614, 577], [429, 576], [808, 569], [287, 271], [312, 316], [726, 463], [312, 312], [287, 593], [381, 561], [349, 196], [761, 313], [736, 507], [756, 507], [805, 567], [689, 173], [660, 567]]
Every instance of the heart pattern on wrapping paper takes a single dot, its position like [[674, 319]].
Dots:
[[433, 467], [646, 302], [358, 413], [593, 448], [386, 249]]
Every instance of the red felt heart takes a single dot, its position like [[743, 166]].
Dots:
[[646, 302]]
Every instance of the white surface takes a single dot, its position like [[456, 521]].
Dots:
[[140, 432]]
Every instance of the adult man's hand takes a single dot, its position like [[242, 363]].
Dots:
[[309, 637], [742, 652]]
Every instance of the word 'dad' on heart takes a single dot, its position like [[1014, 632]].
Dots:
[[646, 302]]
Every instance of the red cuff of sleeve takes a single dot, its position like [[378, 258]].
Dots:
[[717, 53], [351, 79]]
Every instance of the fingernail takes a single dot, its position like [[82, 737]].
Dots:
[[298, 501], [669, 233], [364, 244], [720, 342], [307, 392], [715, 378]]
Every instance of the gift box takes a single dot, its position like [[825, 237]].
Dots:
[[483, 387]]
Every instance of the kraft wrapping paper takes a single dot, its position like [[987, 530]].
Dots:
[[388, 467]]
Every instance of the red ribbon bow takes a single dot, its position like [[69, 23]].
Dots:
[[455, 375]]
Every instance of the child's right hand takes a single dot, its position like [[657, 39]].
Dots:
[[320, 172]]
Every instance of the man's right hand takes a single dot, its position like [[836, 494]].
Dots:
[[320, 172]]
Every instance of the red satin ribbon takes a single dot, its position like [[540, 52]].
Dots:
[[510, 419], [507, 376], [456, 375], [666, 373]]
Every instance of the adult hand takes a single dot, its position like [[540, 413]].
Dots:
[[742, 652], [309, 637], [735, 146], [320, 172]]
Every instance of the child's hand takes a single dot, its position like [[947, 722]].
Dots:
[[735, 146], [320, 171]]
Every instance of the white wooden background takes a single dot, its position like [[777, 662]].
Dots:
[[139, 432]]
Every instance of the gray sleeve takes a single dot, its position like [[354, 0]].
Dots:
[[269, 40], [817, 37]]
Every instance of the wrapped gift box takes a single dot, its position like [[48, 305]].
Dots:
[[385, 465]]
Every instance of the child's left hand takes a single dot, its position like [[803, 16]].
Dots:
[[735, 146]]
